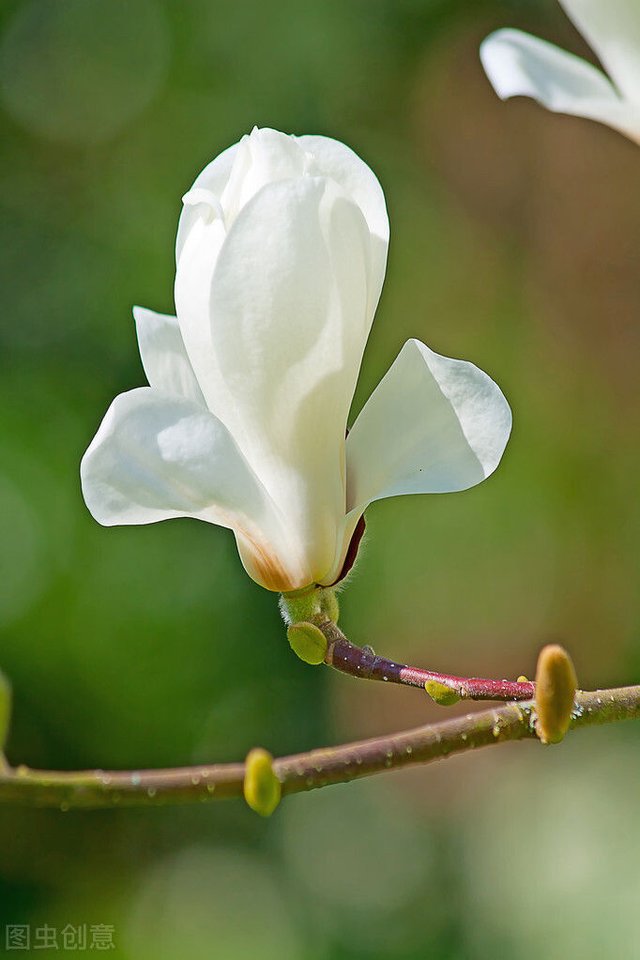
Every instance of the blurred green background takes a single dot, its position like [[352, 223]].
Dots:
[[515, 244]]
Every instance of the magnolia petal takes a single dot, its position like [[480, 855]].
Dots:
[[228, 182], [210, 182], [289, 324], [432, 425], [157, 456], [359, 182], [163, 355], [612, 29], [264, 156], [518, 64], [194, 275]]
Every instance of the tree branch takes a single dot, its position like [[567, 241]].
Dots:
[[304, 771]]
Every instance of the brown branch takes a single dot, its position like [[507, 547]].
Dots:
[[304, 771]]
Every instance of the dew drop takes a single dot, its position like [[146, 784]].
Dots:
[[151, 792]]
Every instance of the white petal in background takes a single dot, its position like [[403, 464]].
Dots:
[[518, 64], [432, 425], [612, 30]]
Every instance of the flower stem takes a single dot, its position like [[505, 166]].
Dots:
[[363, 662]]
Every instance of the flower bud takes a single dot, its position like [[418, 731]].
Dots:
[[555, 692], [262, 789], [441, 693]]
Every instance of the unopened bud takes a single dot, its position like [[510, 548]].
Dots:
[[308, 642], [262, 789], [556, 685], [441, 693]]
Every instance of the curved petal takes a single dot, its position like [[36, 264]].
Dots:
[[612, 29], [359, 182], [289, 323], [163, 355], [228, 182], [212, 181], [432, 425], [157, 456], [264, 156], [521, 65], [194, 274], [209, 211]]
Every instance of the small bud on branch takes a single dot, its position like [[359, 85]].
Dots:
[[261, 787], [556, 685]]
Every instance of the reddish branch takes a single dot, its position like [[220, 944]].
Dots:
[[363, 662]]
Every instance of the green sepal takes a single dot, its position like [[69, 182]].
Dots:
[[308, 603], [308, 642]]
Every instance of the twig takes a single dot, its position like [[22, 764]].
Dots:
[[363, 662], [304, 771]]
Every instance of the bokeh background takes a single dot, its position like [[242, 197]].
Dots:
[[516, 244]]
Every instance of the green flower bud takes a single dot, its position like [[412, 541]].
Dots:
[[308, 642], [441, 693], [262, 789], [555, 692]]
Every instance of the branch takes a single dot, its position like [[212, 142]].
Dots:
[[304, 771], [362, 662], [311, 617]]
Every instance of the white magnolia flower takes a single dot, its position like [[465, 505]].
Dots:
[[519, 64], [281, 254]]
